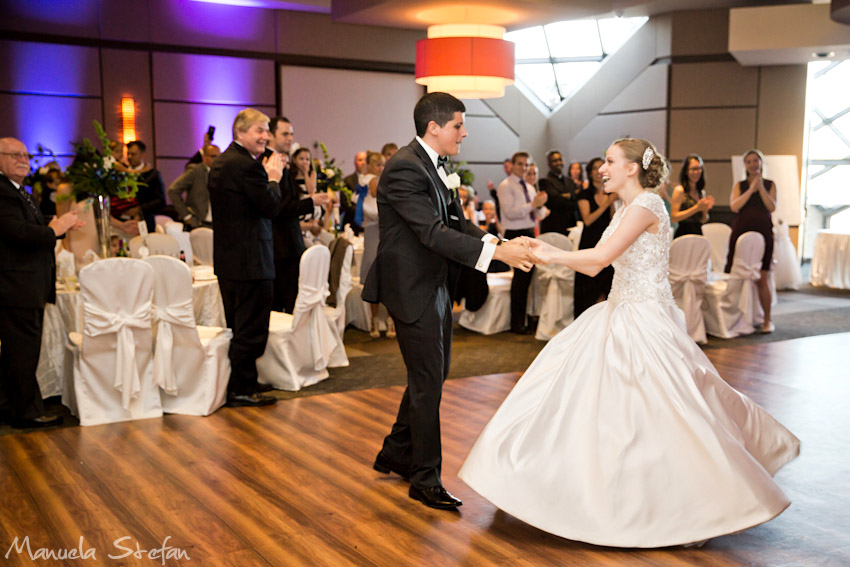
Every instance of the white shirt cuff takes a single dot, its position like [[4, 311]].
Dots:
[[486, 253]]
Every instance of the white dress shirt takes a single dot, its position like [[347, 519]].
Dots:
[[517, 212], [489, 240]]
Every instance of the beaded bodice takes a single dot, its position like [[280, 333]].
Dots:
[[641, 272]]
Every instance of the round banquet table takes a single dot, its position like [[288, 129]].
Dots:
[[831, 260]]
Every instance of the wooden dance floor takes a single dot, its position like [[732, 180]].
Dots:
[[292, 484]]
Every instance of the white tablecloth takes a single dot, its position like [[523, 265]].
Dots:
[[831, 260], [67, 316]]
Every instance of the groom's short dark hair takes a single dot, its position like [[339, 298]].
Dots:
[[439, 107]]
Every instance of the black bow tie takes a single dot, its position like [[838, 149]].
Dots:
[[443, 161]]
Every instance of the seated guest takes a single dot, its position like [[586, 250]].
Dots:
[[490, 223], [194, 209], [466, 203], [689, 205]]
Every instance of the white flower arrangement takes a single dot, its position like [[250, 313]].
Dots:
[[108, 162]]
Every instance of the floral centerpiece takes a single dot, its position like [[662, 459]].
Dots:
[[330, 175], [93, 174]]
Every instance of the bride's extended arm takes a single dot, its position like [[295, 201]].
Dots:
[[592, 260]]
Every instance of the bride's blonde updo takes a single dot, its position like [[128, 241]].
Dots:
[[655, 171]]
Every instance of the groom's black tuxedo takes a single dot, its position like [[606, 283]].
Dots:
[[424, 240]]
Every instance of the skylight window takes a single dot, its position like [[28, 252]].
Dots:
[[555, 60]]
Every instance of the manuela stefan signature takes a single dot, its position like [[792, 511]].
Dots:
[[123, 547]]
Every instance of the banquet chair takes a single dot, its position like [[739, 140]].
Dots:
[[552, 290], [112, 358], [202, 245], [344, 285], [689, 256], [718, 235], [190, 362], [135, 245], [358, 313], [162, 245], [175, 230], [494, 316], [301, 346], [161, 221], [731, 305]]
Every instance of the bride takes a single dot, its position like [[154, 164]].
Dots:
[[621, 433]]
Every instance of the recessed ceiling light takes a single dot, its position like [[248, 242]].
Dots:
[[823, 54]]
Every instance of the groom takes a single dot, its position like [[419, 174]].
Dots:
[[424, 241]]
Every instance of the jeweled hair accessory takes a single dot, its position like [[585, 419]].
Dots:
[[648, 154]]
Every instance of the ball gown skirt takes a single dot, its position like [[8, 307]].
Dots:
[[621, 433]]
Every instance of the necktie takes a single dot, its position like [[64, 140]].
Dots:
[[443, 161], [30, 203], [527, 199]]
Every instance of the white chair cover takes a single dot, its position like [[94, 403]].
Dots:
[[495, 315], [689, 257], [731, 307], [136, 244], [175, 229], [202, 245], [113, 374], [162, 245], [787, 270], [718, 235], [358, 313], [191, 364], [553, 285], [162, 220], [301, 345]]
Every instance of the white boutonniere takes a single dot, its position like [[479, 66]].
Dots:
[[453, 182]]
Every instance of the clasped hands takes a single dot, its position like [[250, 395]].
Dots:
[[524, 252]]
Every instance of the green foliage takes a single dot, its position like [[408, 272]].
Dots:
[[93, 171], [330, 175]]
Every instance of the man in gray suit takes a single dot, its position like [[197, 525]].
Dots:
[[194, 210]]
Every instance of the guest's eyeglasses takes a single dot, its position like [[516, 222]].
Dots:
[[17, 155]]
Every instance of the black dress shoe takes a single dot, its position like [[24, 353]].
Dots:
[[523, 331], [263, 388], [435, 497], [37, 422], [250, 400], [384, 464]]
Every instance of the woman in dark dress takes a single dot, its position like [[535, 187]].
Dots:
[[689, 205], [596, 208], [753, 200]]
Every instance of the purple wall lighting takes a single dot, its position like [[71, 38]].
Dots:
[[53, 122], [213, 79], [49, 69], [201, 23], [52, 16]]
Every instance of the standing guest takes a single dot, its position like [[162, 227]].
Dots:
[[494, 194], [576, 174], [194, 210], [348, 208], [689, 206], [424, 241], [150, 196], [466, 202], [371, 234], [47, 204], [245, 197], [563, 196], [198, 156], [521, 207], [596, 209], [389, 150], [490, 223], [288, 240], [753, 200], [27, 282]]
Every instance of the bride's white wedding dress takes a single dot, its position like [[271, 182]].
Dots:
[[621, 432]]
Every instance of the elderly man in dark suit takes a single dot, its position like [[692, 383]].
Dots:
[[563, 196], [194, 209], [245, 197], [423, 244], [27, 282]]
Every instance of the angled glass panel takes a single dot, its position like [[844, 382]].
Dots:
[[615, 31], [530, 43], [571, 76], [829, 190], [579, 38], [540, 78], [830, 96]]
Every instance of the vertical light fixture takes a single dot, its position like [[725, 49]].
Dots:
[[128, 119], [466, 60]]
